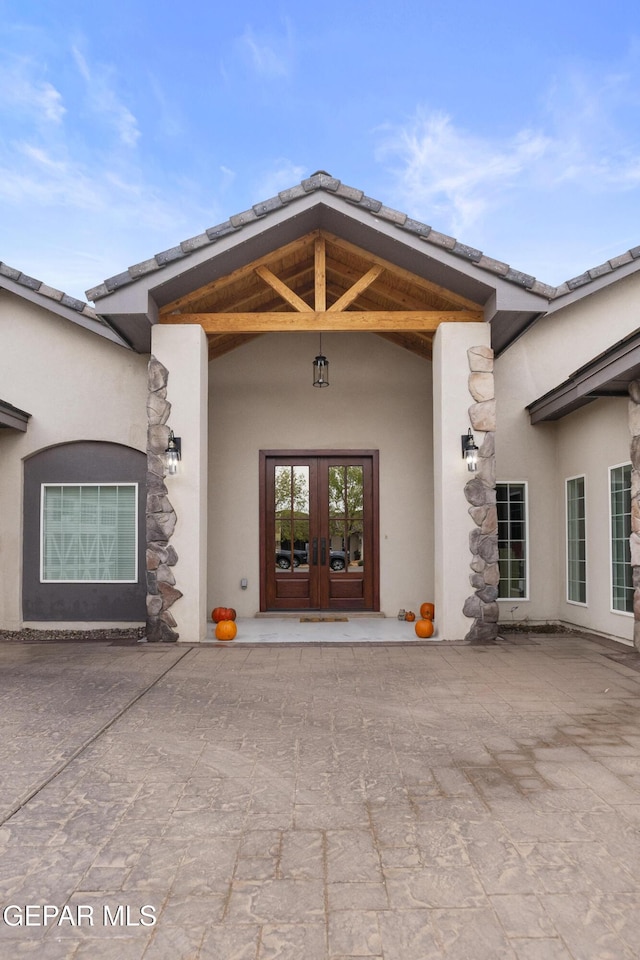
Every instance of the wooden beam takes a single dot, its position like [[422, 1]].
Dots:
[[241, 272], [320, 265], [285, 292], [350, 295], [375, 321], [400, 272]]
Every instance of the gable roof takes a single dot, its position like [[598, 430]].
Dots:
[[322, 181], [363, 220], [131, 301], [38, 292]]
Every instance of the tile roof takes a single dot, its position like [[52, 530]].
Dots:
[[322, 181], [37, 286]]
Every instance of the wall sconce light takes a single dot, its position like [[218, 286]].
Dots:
[[469, 451], [173, 453], [320, 369]]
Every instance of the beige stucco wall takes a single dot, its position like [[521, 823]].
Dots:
[[380, 397], [545, 454], [77, 386]]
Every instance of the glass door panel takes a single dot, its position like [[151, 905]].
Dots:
[[318, 526]]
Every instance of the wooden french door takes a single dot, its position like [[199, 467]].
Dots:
[[319, 531]]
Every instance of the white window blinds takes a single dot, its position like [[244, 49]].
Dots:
[[89, 532]]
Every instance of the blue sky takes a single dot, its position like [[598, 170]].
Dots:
[[126, 127]]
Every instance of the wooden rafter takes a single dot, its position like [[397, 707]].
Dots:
[[412, 278], [320, 274], [241, 273], [357, 288], [287, 294]]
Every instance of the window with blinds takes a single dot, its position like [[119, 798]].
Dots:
[[576, 540], [620, 517], [89, 533]]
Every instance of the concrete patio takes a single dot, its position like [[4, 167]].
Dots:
[[394, 801]]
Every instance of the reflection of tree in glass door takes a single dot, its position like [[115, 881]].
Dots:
[[292, 509], [346, 512]]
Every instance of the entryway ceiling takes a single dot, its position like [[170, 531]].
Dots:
[[321, 282]]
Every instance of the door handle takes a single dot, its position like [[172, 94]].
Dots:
[[323, 551], [314, 552]]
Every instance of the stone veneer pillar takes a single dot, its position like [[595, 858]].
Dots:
[[480, 492], [634, 540], [161, 517], [182, 350], [451, 522]]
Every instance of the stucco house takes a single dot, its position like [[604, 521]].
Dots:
[[476, 445]]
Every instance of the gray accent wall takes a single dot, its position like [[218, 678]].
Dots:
[[81, 462]]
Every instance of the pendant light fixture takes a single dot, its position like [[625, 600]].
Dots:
[[320, 369]]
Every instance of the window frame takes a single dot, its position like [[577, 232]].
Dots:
[[133, 485], [613, 609], [568, 480], [525, 485]]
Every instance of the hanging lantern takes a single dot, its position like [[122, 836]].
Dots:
[[320, 369]]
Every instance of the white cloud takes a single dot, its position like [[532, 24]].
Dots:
[[453, 174], [270, 56], [104, 101], [38, 97], [455, 178]]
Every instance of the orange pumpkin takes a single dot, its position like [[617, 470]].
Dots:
[[427, 611], [226, 630], [410, 616], [222, 613], [424, 629]]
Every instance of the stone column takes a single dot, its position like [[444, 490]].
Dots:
[[182, 350], [452, 525], [161, 517], [634, 540], [480, 491]]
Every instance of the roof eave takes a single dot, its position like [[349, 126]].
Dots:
[[607, 375], [79, 317], [593, 281]]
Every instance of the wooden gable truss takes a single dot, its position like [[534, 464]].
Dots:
[[321, 283]]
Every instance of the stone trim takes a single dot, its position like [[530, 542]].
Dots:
[[161, 517], [634, 539], [480, 492]]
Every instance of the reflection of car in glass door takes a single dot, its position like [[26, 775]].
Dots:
[[337, 559]]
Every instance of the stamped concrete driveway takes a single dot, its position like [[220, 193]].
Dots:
[[320, 803]]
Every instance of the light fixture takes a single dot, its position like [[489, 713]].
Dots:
[[320, 369], [173, 453], [469, 451]]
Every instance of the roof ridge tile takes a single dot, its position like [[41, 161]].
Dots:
[[321, 180]]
